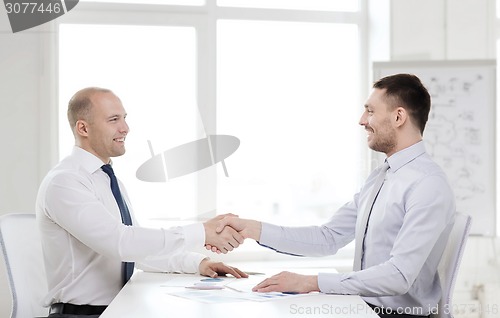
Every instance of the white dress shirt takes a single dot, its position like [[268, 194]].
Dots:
[[407, 232], [84, 241]]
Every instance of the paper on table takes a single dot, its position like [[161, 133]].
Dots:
[[219, 290], [194, 280], [227, 295]]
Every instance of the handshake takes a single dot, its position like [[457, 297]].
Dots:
[[226, 232]]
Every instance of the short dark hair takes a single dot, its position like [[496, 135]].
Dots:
[[407, 91]]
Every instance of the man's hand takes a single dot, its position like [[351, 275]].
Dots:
[[288, 282], [222, 241], [214, 269], [247, 228]]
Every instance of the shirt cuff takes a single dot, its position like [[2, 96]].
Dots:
[[194, 235], [193, 261], [331, 283], [269, 234]]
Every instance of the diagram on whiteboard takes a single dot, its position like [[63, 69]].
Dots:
[[460, 132], [454, 132]]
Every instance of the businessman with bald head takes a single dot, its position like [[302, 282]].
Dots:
[[90, 238]]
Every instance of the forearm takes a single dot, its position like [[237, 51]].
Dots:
[[382, 280], [187, 262], [304, 241], [253, 230]]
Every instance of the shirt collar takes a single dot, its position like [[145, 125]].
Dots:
[[406, 155], [88, 161]]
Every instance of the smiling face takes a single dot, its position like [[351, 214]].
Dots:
[[103, 133], [377, 120]]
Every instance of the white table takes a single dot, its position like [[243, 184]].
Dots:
[[145, 295]]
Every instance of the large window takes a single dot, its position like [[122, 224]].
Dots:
[[152, 70], [289, 92], [287, 83]]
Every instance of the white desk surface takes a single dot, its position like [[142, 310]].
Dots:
[[144, 296]]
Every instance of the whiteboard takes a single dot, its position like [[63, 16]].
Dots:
[[460, 133]]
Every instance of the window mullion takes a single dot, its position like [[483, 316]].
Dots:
[[206, 100]]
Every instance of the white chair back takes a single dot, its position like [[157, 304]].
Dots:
[[450, 263], [22, 252]]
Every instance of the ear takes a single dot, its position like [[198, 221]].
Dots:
[[82, 128], [401, 116]]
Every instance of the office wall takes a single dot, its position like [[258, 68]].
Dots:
[[25, 123], [421, 29], [19, 66], [443, 29]]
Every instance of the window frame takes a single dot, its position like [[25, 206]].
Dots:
[[204, 20]]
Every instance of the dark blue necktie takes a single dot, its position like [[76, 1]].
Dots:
[[127, 267]]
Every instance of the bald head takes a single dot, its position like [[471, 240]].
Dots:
[[98, 121], [80, 104]]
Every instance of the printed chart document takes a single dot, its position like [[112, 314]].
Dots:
[[220, 289]]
